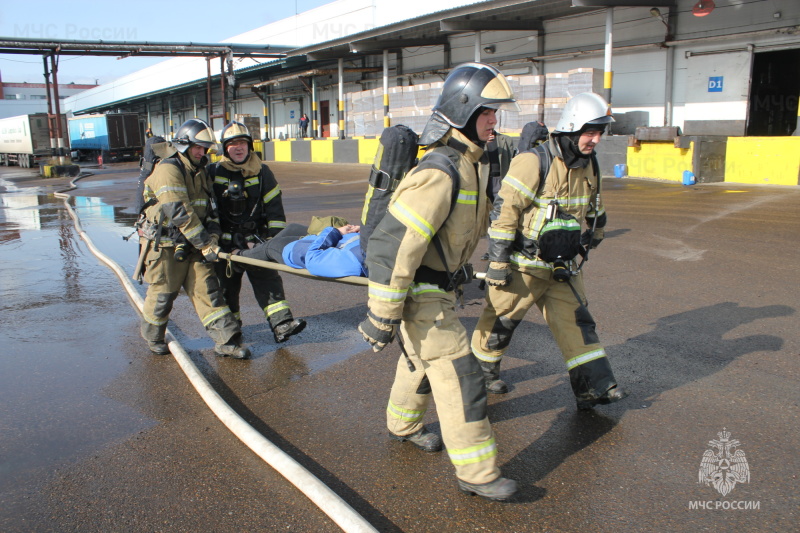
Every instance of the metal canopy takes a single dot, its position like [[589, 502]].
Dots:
[[481, 16], [494, 15], [142, 48], [260, 86]]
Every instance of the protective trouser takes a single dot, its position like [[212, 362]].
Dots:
[[569, 321], [165, 277], [288, 235], [267, 289], [437, 344]]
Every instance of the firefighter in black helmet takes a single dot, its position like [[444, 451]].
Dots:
[[177, 196], [251, 212], [410, 288]]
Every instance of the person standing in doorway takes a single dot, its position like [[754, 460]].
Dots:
[[303, 125]]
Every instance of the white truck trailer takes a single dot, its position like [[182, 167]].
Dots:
[[25, 139]]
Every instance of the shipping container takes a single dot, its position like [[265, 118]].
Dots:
[[114, 136]]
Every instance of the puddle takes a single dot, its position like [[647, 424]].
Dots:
[[63, 314]]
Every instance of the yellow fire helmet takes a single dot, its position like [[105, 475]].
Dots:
[[235, 130]]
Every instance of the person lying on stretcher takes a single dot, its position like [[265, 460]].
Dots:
[[334, 253]]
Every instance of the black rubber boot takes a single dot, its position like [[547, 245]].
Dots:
[[154, 335], [286, 329], [501, 489], [594, 384], [422, 439], [491, 376], [158, 347], [236, 351]]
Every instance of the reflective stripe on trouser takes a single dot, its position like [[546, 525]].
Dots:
[[570, 322], [267, 289], [166, 276], [436, 342]]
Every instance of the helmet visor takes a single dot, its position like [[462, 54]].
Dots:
[[498, 95]]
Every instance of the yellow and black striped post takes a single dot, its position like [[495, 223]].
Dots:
[[266, 122], [314, 118], [341, 119], [608, 73], [386, 121]]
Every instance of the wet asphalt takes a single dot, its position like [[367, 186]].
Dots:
[[695, 292]]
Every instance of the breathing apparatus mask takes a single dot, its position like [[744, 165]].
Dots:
[[559, 241], [235, 198]]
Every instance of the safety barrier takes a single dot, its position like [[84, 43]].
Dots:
[[756, 160]]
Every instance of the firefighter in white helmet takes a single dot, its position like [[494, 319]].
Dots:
[[535, 241], [411, 283]]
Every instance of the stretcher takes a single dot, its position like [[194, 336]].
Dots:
[[349, 280]]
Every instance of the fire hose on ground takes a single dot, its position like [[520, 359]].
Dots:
[[319, 493]]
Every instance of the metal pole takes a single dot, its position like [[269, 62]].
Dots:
[[208, 93], [266, 117], [341, 98], [224, 112], [314, 110], [171, 128], [386, 89], [670, 66], [59, 132], [51, 125], [231, 80], [609, 74], [477, 47]]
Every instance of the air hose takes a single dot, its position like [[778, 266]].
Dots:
[[323, 497]]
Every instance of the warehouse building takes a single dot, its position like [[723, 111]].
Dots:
[[708, 88]]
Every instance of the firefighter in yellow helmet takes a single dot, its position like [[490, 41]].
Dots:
[[428, 233], [250, 212], [546, 197], [179, 209]]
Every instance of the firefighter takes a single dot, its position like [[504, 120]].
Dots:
[[179, 207], [251, 212], [529, 265], [411, 288]]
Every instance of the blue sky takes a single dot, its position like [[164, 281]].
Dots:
[[142, 20]]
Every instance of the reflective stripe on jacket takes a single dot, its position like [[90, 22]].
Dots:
[[183, 198], [523, 204], [263, 216], [418, 210]]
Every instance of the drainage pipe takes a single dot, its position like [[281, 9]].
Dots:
[[328, 501]]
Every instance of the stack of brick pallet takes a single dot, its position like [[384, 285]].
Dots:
[[360, 108], [560, 87], [556, 95], [529, 92], [413, 107], [540, 98]]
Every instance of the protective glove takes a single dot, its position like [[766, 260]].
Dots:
[[211, 250], [377, 333], [592, 240], [498, 274]]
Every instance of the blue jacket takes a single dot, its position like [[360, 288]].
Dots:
[[329, 254]]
